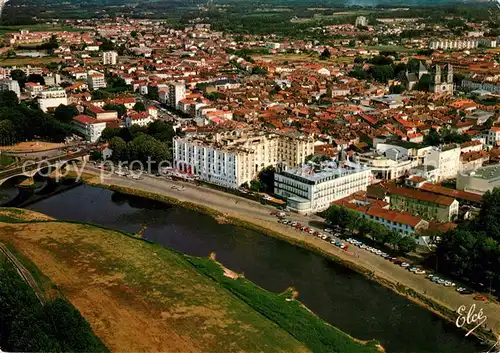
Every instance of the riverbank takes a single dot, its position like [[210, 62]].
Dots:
[[442, 301], [123, 285]]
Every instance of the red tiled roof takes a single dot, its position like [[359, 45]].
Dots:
[[463, 195], [421, 195], [85, 119]]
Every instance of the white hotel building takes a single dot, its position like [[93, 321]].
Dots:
[[52, 98], [234, 158], [308, 190]]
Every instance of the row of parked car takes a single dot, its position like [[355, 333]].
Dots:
[[332, 235]]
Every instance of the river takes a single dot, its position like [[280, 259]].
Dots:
[[342, 297]]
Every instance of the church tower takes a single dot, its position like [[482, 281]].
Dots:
[[437, 75], [449, 73]]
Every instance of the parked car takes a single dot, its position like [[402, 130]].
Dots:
[[480, 298], [405, 264]]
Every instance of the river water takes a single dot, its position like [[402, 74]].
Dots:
[[342, 297]]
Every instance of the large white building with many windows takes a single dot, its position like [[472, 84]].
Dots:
[[313, 188], [10, 85], [52, 98], [445, 159], [109, 57], [233, 158]]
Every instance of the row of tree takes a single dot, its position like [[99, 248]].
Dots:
[[348, 219], [471, 252], [25, 121], [153, 142], [27, 326]]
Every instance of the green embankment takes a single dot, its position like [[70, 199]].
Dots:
[[27, 326], [196, 296], [287, 312]]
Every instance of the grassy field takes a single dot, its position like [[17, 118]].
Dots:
[[23, 61], [39, 28], [138, 296], [5, 160], [303, 58]]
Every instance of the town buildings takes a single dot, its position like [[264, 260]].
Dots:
[[480, 180], [89, 127], [176, 92], [231, 159], [96, 80], [109, 57], [10, 85], [446, 159], [309, 189], [420, 203], [52, 98]]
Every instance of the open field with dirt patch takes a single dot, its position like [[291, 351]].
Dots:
[[23, 61], [140, 297], [303, 58], [32, 145]]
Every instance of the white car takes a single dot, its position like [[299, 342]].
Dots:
[[405, 264]]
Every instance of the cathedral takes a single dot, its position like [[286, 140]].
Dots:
[[442, 78]]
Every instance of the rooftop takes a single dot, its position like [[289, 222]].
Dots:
[[421, 195], [490, 172], [325, 171]]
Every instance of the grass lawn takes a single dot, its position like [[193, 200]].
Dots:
[[124, 286], [302, 57], [5, 161], [23, 61], [138, 296], [39, 28]]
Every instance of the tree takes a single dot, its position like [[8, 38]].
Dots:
[[255, 185], [19, 76], [36, 78], [120, 108], [109, 132], [424, 83], [406, 244], [7, 133], [266, 178], [119, 148], [259, 70], [143, 147], [133, 34], [382, 73], [433, 138], [396, 89], [153, 93], [8, 99], [325, 55], [99, 94], [139, 107], [65, 113], [161, 131]]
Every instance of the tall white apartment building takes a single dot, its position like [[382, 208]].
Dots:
[[109, 57], [445, 159], [232, 159], [176, 92], [361, 21], [10, 85], [96, 80], [453, 44], [311, 189], [52, 98]]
